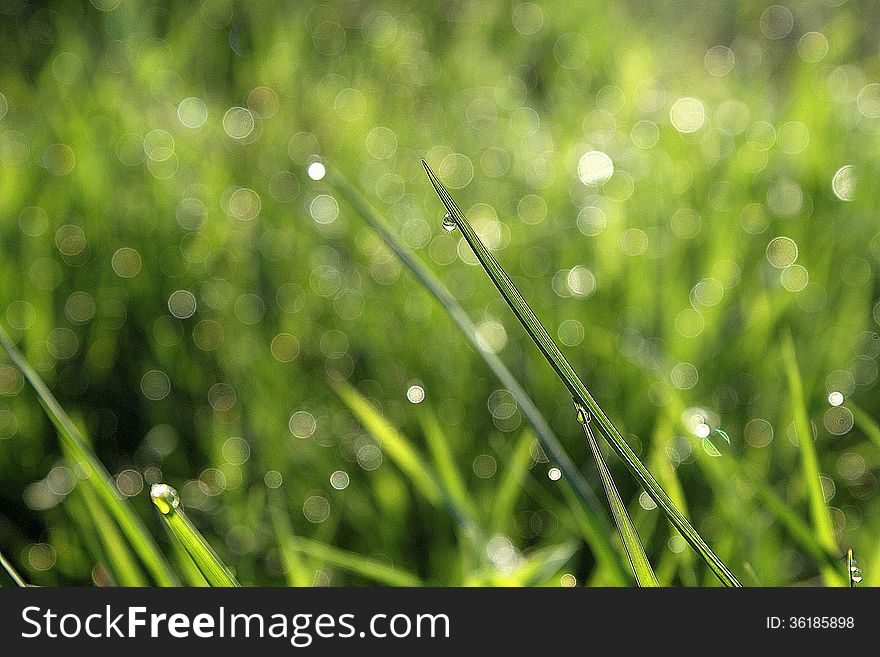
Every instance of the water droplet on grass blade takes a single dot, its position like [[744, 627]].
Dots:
[[165, 498], [855, 573], [448, 223]]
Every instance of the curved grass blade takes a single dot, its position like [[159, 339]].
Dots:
[[295, 571], [444, 461], [865, 422], [809, 461], [628, 535], [119, 559], [355, 563], [534, 570], [576, 387], [12, 572], [200, 551], [81, 453], [403, 453], [547, 439]]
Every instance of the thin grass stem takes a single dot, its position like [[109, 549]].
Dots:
[[575, 386]]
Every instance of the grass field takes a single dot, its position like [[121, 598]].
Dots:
[[221, 253]]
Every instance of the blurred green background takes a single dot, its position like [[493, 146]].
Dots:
[[187, 290]]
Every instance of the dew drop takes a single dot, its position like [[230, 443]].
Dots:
[[165, 498], [855, 573], [448, 223], [555, 474]]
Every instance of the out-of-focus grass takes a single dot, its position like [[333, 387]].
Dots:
[[664, 284]]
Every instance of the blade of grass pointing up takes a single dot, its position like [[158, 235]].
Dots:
[[591, 508], [119, 558], [122, 513], [200, 551], [10, 570], [403, 453], [810, 461], [865, 422], [354, 563], [575, 386], [547, 439], [628, 534]]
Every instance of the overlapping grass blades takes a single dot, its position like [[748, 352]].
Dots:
[[819, 512], [80, 452], [11, 571], [352, 562], [167, 502], [628, 535], [590, 511], [576, 387], [405, 455]]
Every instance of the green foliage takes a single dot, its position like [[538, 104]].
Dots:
[[184, 288], [575, 386], [167, 501]]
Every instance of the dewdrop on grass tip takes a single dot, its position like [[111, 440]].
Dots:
[[165, 498]]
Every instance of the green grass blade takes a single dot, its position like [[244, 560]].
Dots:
[[118, 507], [295, 571], [628, 535], [576, 387], [513, 477], [536, 568], [192, 576], [11, 571], [399, 449], [119, 558], [865, 422], [547, 439], [355, 563], [200, 551], [611, 569], [799, 530], [809, 460], [447, 470]]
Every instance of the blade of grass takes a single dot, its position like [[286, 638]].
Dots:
[[447, 470], [402, 452], [611, 570], [355, 563], [809, 461], [295, 570], [122, 513], [865, 422], [547, 439], [536, 568], [167, 501], [799, 530], [119, 558], [512, 478], [192, 576], [576, 387], [628, 535], [10, 570]]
